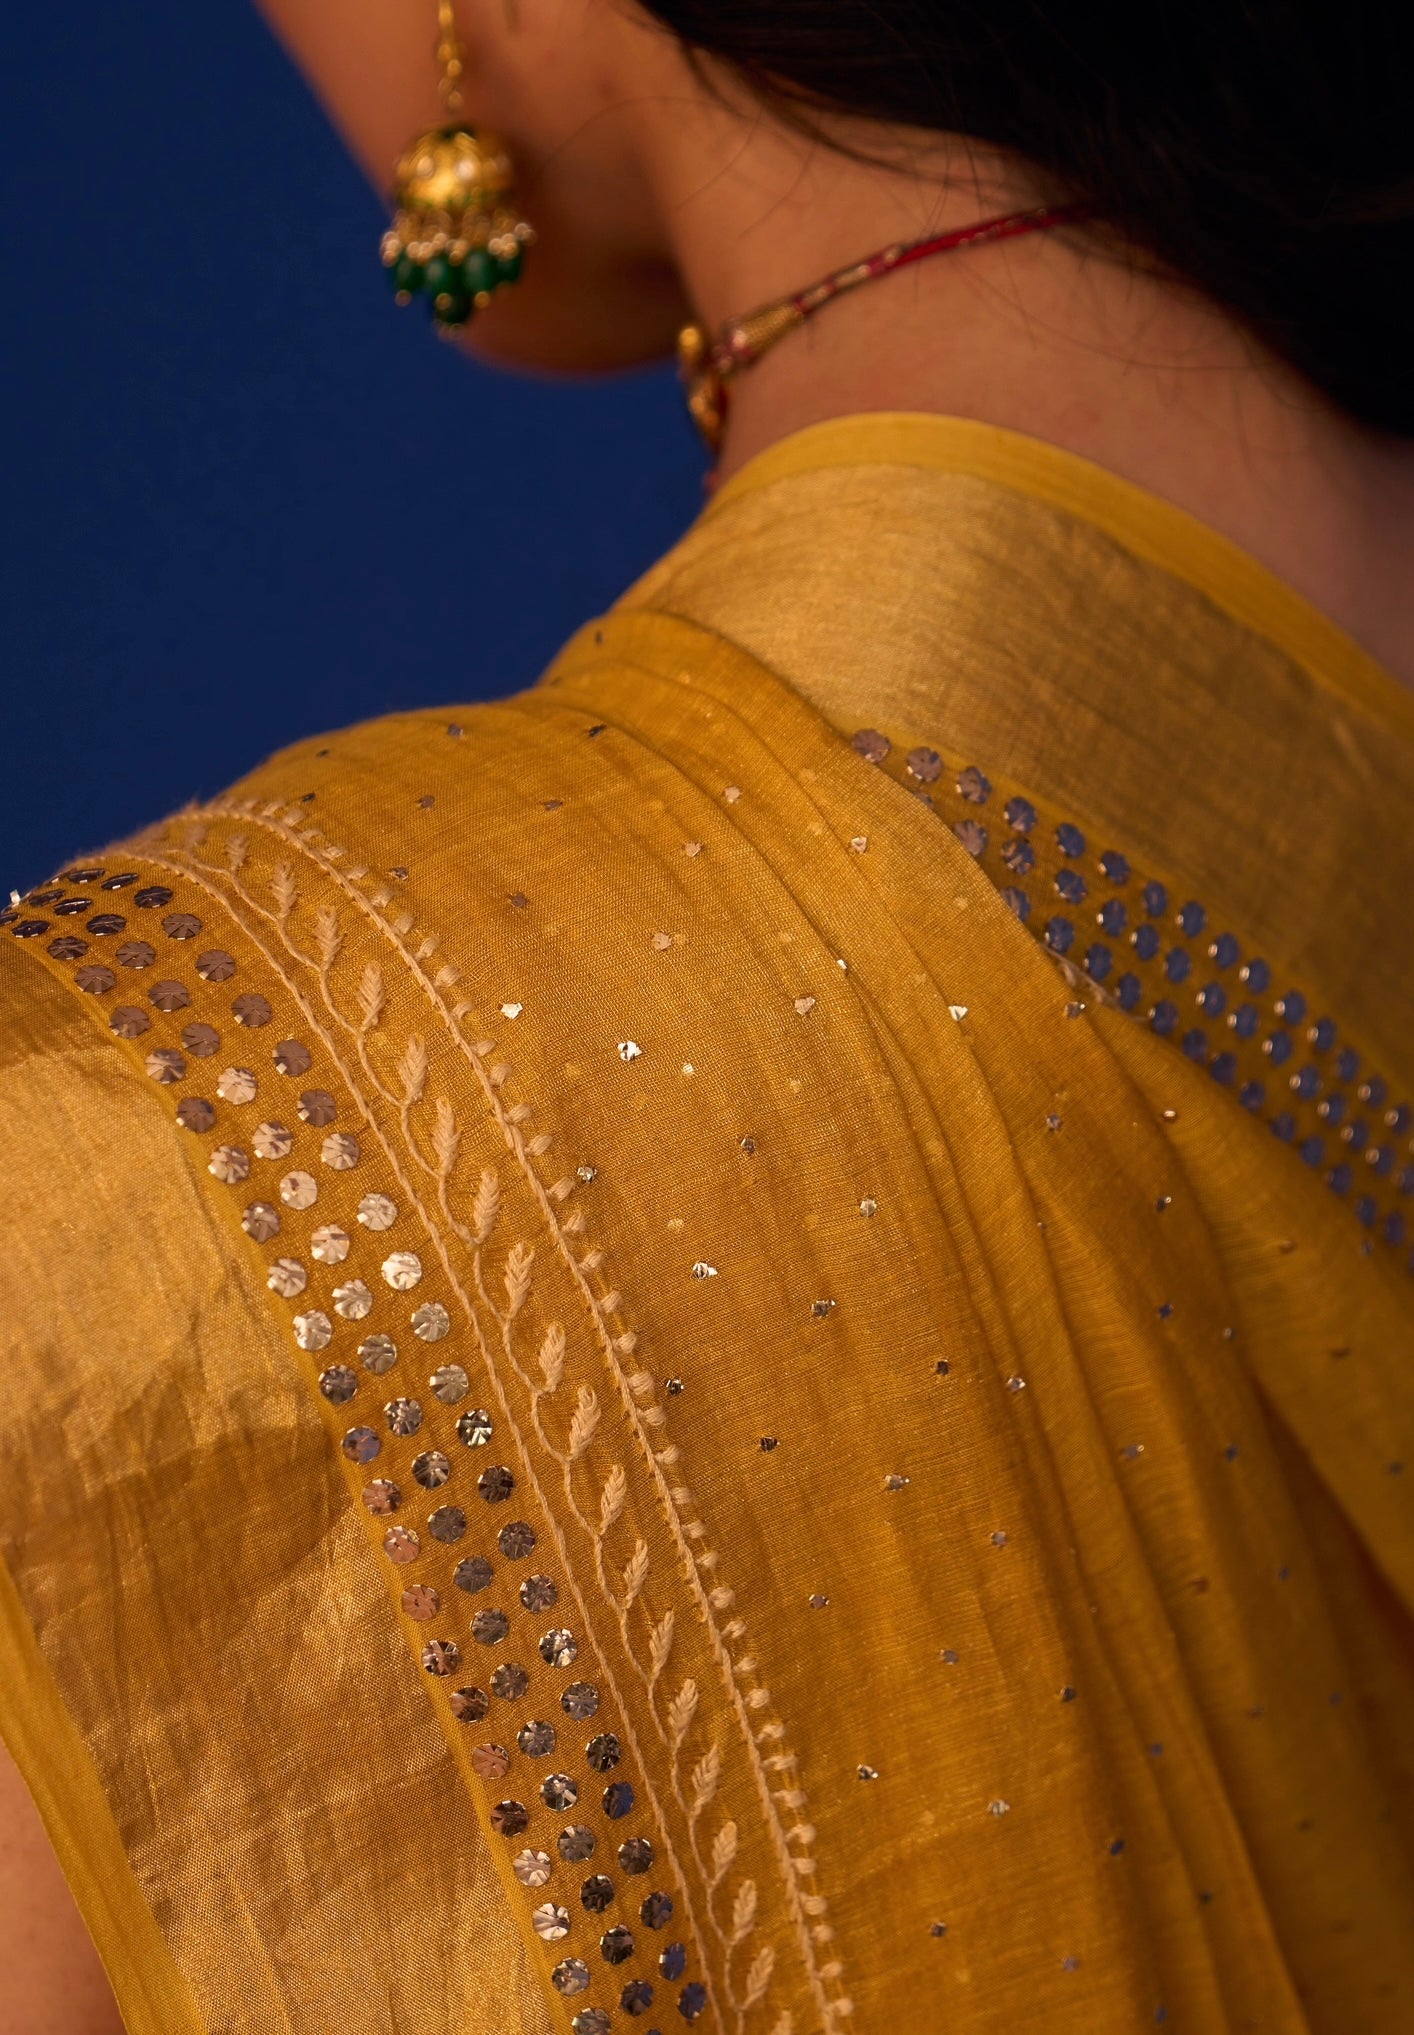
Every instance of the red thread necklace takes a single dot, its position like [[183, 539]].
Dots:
[[708, 365]]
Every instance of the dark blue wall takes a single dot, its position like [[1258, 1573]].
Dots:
[[247, 497]]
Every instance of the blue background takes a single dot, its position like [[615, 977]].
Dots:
[[248, 497]]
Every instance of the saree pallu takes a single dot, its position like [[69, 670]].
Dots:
[[728, 1344]]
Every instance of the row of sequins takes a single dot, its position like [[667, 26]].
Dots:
[[1167, 964], [317, 1328]]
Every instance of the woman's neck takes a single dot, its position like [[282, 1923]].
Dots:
[[1049, 336]]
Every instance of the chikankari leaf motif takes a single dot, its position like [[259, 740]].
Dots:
[[660, 1643], [413, 1068], [635, 1574], [485, 1206], [723, 1851], [552, 1350], [759, 1976], [326, 929], [611, 1498], [705, 1776], [282, 883], [744, 1910], [371, 995], [681, 1712], [518, 1263], [586, 1419], [446, 1138]]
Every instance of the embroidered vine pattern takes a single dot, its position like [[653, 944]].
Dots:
[[695, 1790]]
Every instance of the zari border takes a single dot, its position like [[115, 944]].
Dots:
[[46, 1746]]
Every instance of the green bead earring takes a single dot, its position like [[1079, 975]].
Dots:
[[455, 238]]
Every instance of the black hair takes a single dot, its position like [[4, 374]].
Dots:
[[1262, 150]]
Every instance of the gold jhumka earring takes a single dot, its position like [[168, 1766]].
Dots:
[[456, 237]]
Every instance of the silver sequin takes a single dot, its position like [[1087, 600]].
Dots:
[[431, 1469], [421, 1601], [382, 1496], [353, 1300], [361, 1445], [237, 1084], [474, 1428], [441, 1657], [313, 1331], [317, 1106], [377, 1212], [404, 1416], [287, 1277], [536, 1738], [338, 1384], [129, 1022], [167, 996], [532, 1868], [299, 1190], [339, 1152], [538, 1593], [559, 1648], [291, 1057], [559, 1791], [402, 1270], [402, 1544], [473, 1574], [570, 1976], [431, 1321], [201, 1040], [378, 1353], [195, 1113], [469, 1706], [510, 1682], [229, 1163], [272, 1140], [489, 1628], [166, 1065], [575, 1843], [215, 965], [329, 1244], [251, 1010], [447, 1524], [450, 1384], [261, 1221], [580, 1699], [516, 1540], [550, 1921]]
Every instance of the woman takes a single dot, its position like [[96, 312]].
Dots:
[[729, 1343]]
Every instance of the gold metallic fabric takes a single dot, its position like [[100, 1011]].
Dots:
[[728, 1345]]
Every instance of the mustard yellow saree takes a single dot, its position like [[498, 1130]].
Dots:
[[730, 1344]]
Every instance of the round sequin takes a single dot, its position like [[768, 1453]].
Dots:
[[165, 1065], [103, 925], [489, 1628], [152, 897], [636, 1855], [402, 1270], [618, 1799], [559, 1648], [442, 1657], [237, 1084], [536, 1738], [692, 2001], [590, 2021], [495, 1484], [603, 1752], [492, 1762], [299, 1190], [251, 1010], [361, 1445], [474, 1428], [215, 965], [377, 1212], [597, 1893], [329, 1244], [291, 1057], [338, 1384], [447, 1523], [559, 1791], [353, 1301], [195, 1113], [580, 1700], [272, 1140], [339, 1152], [168, 996], [637, 1996], [510, 1682], [532, 1868], [401, 1544], [135, 954], [475, 1572], [404, 1416], [431, 1469], [516, 1540], [510, 1818], [261, 1221], [313, 1331], [229, 1164], [657, 1911], [469, 1706], [287, 1277], [617, 1945], [96, 980], [317, 1106], [431, 1321], [382, 1496], [378, 1353], [129, 1022], [570, 1976], [201, 1040], [450, 1384], [576, 1843], [672, 1961]]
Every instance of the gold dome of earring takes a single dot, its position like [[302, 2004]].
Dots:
[[456, 236]]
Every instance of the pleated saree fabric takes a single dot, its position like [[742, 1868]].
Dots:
[[729, 1344]]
